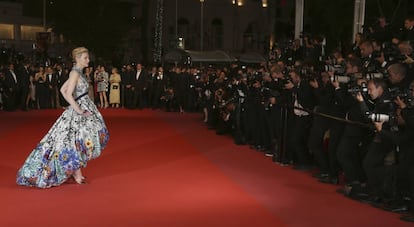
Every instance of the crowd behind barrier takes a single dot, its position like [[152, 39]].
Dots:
[[345, 114]]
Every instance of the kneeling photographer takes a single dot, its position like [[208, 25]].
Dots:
[[374, 166], [403, 185], [404, 140]]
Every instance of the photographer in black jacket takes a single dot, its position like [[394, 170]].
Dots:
[[327, 104], [400, 182], [373, 163], [405, 142], [354, 137], [303, 98]]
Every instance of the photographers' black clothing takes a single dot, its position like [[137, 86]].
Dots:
[[382, 34], [370, 65], [404, 140], [327, 161], [378, 149], [256, 117], [302, 97], [407, 35], [11, 90], [127, 80], [159, 85], [374, 166], [181, 90], [353, 140], [403, 85], [24, 82], [62, 78], [139, 85]]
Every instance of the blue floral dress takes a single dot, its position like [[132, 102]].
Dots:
[[73, 140]]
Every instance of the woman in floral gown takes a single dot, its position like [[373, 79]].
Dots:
[[76, 137]]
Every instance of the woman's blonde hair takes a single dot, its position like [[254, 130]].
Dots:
[[77, 52]]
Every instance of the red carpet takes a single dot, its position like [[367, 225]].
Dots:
[[167, 169]]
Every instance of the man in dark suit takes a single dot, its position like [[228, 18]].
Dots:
[[408, 33], [369, 62], [127, 80], [24, 82], [12, 90], [139, 85], [52, 83], [61, 76], [354, 138], [159, 86], [182, 85], [303, 98]]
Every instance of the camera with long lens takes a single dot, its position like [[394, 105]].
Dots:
[[379, 74], [373, 75], [308, 73], [343, 79], [363, 88], [337, 69], [389, 118], [405, 95], [377, 117]]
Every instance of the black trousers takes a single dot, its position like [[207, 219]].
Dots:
[[327, 160], [129, 97], [299, 139], [349, 157], [405, 182], [374, 167], [138, 100]]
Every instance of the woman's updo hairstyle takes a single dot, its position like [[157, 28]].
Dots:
[[77, 52]]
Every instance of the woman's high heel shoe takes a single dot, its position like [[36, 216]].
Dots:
[[82, 180]]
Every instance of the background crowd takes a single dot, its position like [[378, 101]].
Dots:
[[348, 114]]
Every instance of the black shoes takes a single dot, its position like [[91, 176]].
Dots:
[[329, 180], [320, 175], [396, 206], [408, 218], [302, 167]]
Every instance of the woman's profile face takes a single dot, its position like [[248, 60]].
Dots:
[[83, 60]]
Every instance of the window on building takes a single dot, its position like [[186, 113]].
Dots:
[[248, 37], [217, 33], [184, 30], [29, 32], [6, 31]]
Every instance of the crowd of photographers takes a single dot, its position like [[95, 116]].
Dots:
[[350, 114]]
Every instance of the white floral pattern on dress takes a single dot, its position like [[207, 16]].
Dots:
[[71, 142]]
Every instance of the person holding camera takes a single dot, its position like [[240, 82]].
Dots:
[[406, 155], [402, 139], [321, 125], [354, 137], [368, 57], [398, 78], [303, 99], [408, 32], [373, 162]]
